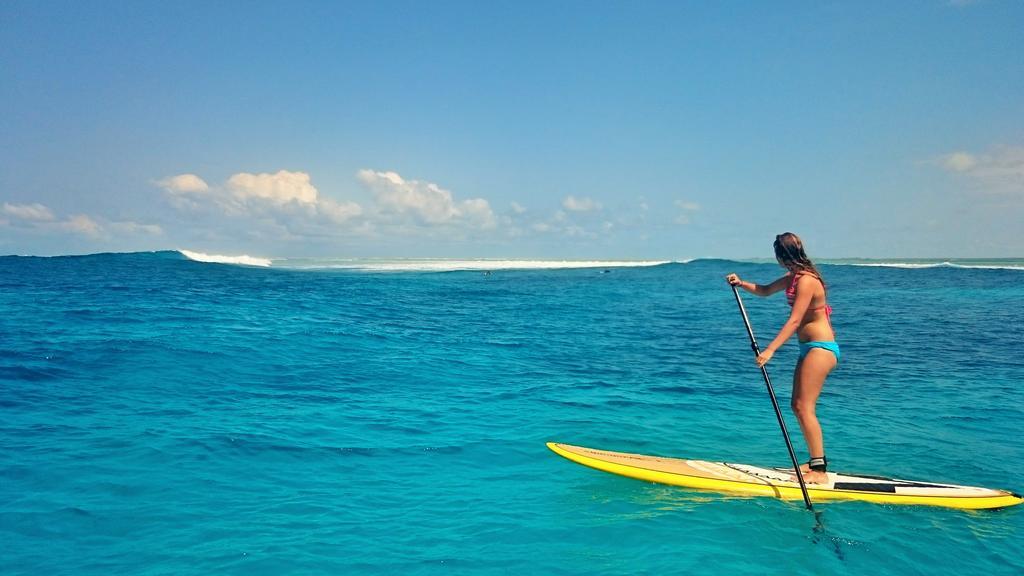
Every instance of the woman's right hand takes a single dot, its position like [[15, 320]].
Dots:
[[733, 280]]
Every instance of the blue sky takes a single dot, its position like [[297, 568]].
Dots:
[[661, 130]]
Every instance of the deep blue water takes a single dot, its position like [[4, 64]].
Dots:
[[165, 416]]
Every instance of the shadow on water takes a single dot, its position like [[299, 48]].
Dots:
[[820, 535], [659, 500]]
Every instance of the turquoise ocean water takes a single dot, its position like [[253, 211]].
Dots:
[[161, 415]]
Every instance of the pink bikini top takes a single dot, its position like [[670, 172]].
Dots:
[[791, 295]]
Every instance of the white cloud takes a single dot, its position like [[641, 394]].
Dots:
[[284, 201], [280, 188], [517, 207], [578, 220], [478, 211], [183, 184], [186, 191], [425, 201], [959, 161], [338, 212], [428, 201], [40, 218], [286, 204], [575, 204], [999, 170], [128, 227], [686, 209], [82, 224], [32, 212]]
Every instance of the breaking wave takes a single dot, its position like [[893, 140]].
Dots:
[[244, 259]]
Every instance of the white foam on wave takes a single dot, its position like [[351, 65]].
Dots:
[[908, 265], [989, 267], [441, 265], [920, 265], [244, 259]]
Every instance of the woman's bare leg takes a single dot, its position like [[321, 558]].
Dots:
[[808, 379]]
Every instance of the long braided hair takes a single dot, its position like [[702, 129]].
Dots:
[[789, 250]]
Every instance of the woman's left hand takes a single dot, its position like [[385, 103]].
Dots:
[[764, 357]]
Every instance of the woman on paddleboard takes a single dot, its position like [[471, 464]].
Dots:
[[810, 321]]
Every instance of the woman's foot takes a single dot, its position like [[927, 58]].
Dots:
[[813, 476]]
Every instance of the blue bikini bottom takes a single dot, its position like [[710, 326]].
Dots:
[[829, 345]]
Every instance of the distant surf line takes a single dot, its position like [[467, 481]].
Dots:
[[416, 264], [906, 264], [1013, 264], [485, 264]]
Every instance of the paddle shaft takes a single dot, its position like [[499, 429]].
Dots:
[[775, 403]]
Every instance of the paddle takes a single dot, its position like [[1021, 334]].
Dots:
[[775, 403]]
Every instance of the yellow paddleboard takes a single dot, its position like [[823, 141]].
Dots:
[[780, 483]]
